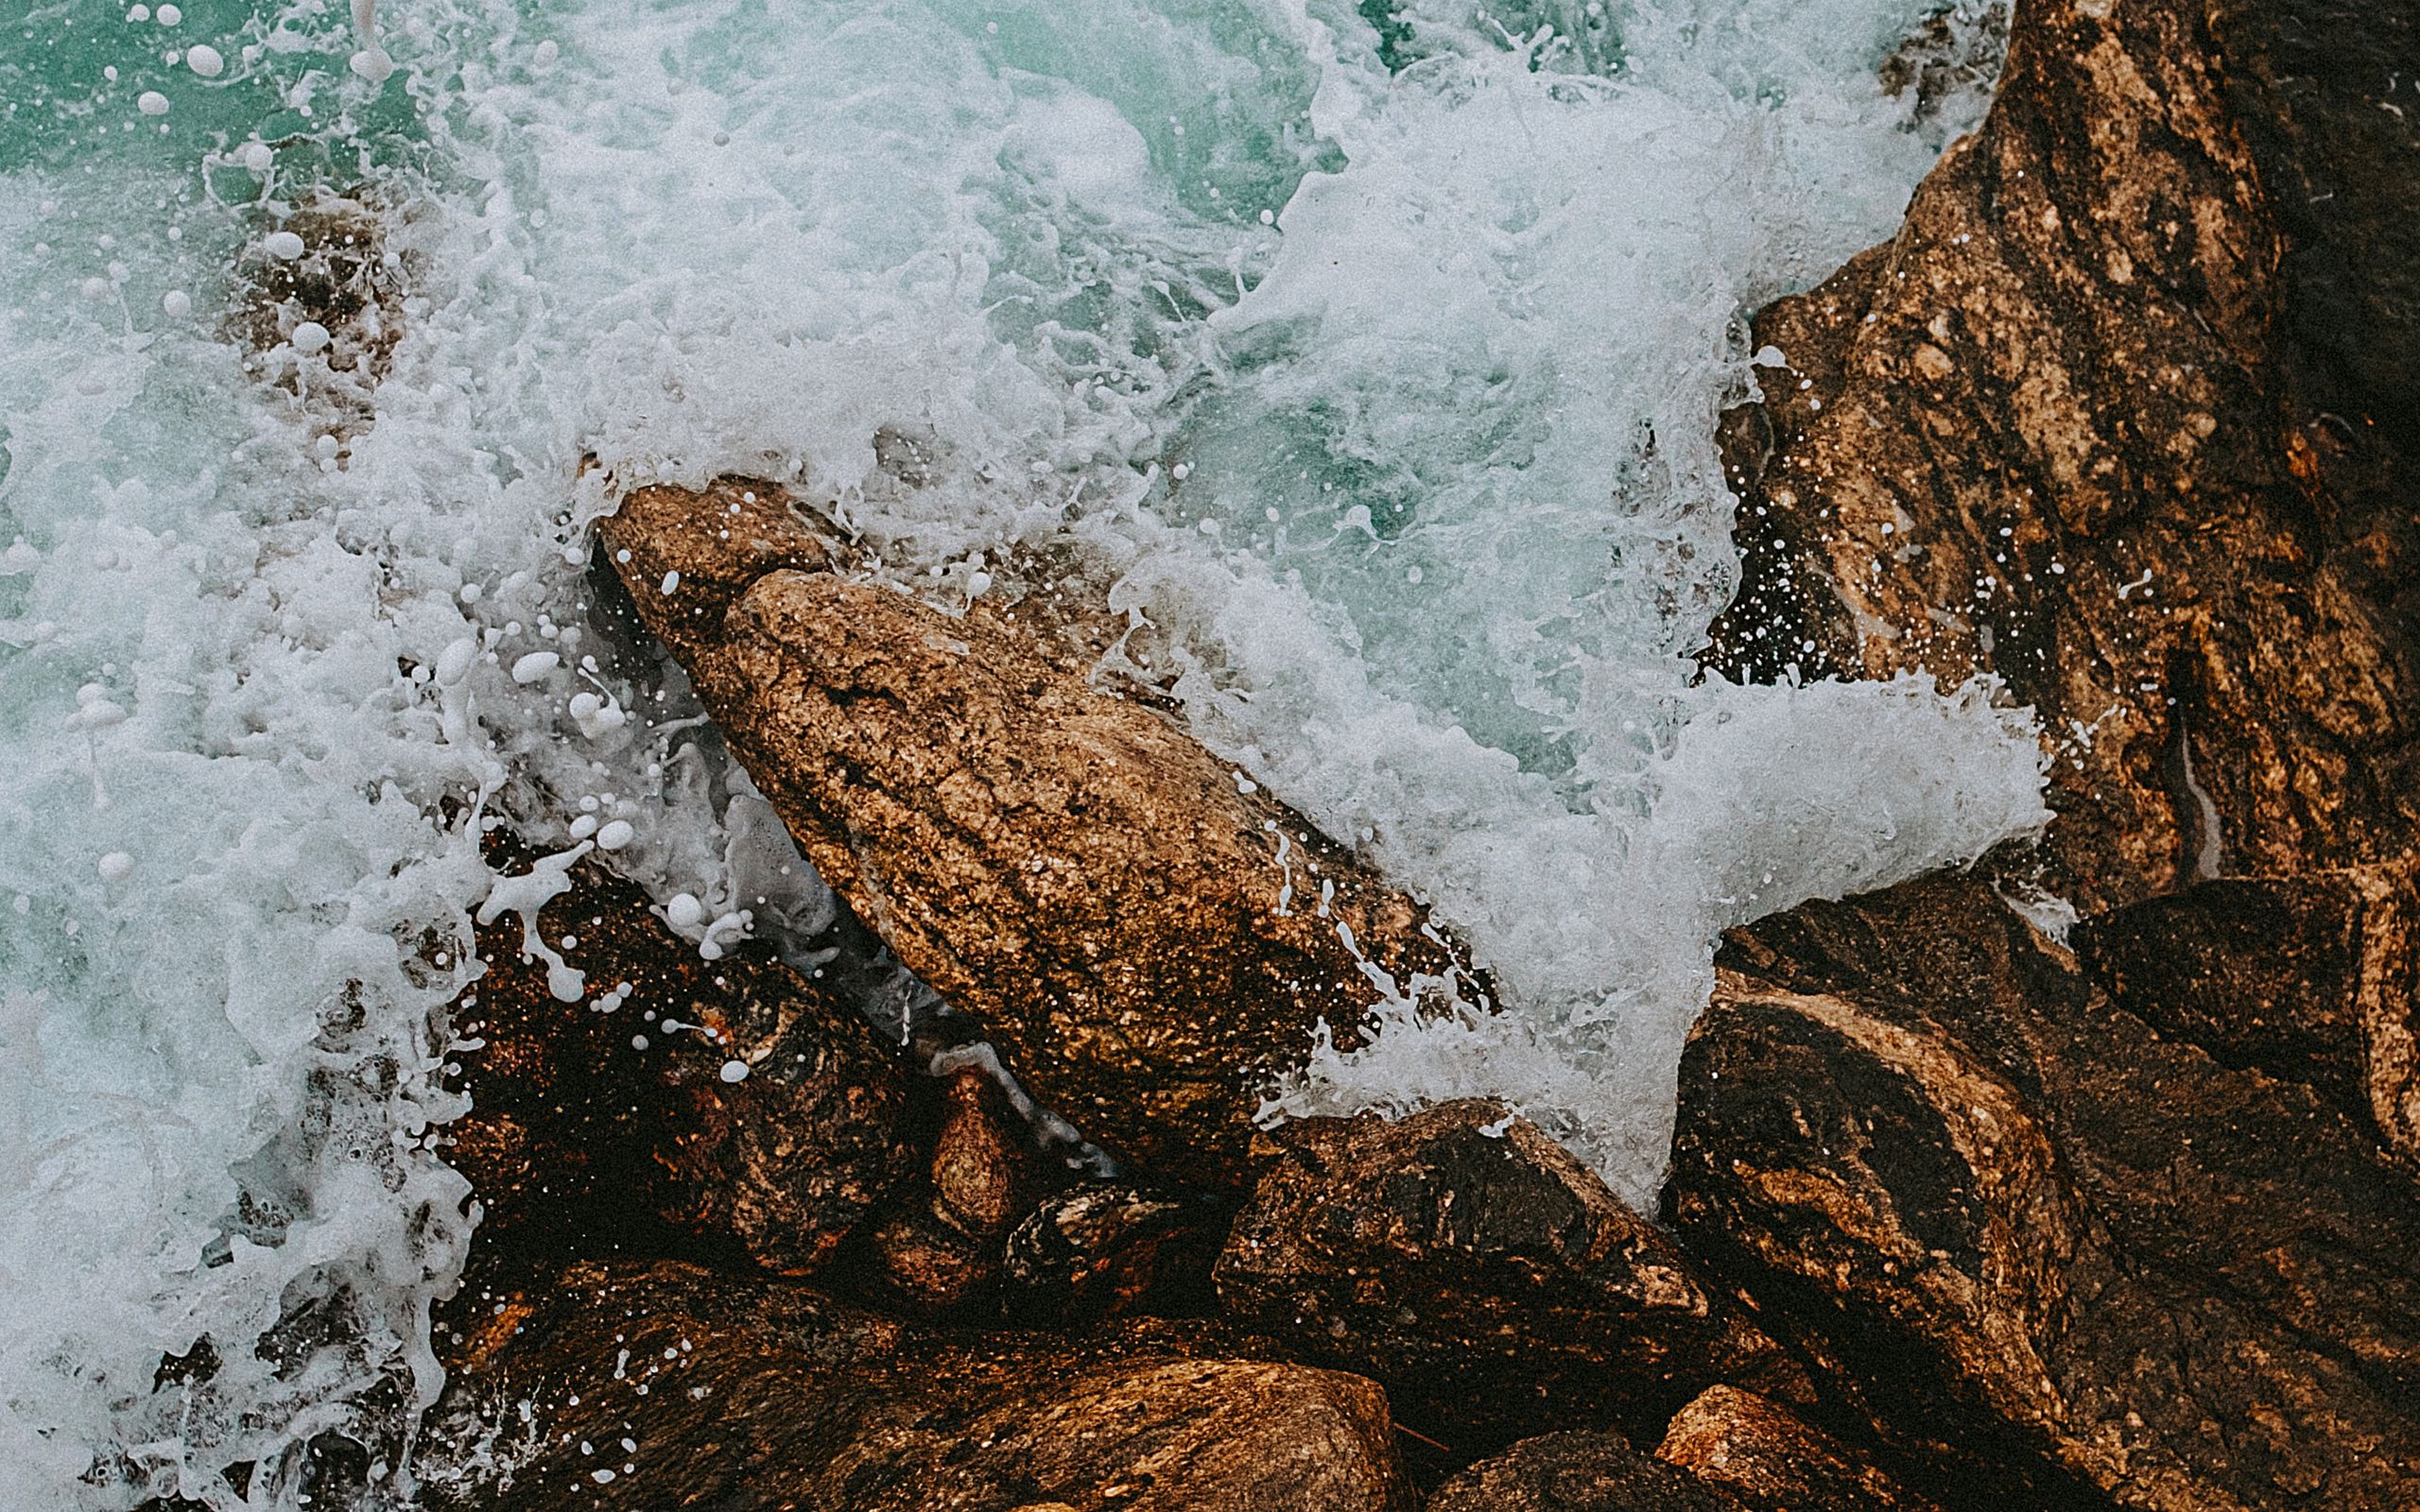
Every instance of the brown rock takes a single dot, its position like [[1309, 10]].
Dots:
[[1146, 942], [2313, 978], [2036, 1237], [1576, 1473], [580, 1141], [1487, 1280], [664, 1386], [1775, 1462], [941, 1247], [2124, 414], [1104, 1249]]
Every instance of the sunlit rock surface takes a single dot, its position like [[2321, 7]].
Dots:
[[1147, 934], [2125, 413]]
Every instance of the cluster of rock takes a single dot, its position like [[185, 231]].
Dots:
[[1962, 1213]]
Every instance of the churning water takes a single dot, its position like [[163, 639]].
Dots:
[[1377, 350]]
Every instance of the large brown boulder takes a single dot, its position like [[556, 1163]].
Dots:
[[1492, 1282], [661, 1387], [668, 1100], [1147, 934], [2314, 978], [2036, 1237], [2125, 414]]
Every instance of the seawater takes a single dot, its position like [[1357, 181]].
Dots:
[[1378, 349]]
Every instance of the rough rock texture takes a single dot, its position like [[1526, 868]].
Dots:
[[1108, 1248], [2313, 978], [1775, 1462], [578, 1141], [2125, 413], [1576, 1473], [1142, 936], [1492, 1282], [940, 1244], [672, 1386], [2035, 1237]]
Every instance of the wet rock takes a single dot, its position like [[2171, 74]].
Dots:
[[2035, 1238], [2313, 978], [674, 1387], [1576, 1473], [1147, 936], [1773, 1462], [941, 1247], [321, 299], [1104, 1249], [2125, 414], [672, 1099], [1486, 1277]]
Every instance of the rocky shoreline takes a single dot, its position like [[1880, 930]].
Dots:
[[1967, 1207]]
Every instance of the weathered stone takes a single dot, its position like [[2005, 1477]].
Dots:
[[1491, 1282], [1773, 1462], [2125, 415], [580, 1142], [2052, 1246], [1146, 941], [941, 1247], [2314, 978], [664, 1386], [1105, 1248], [1576, 1473]]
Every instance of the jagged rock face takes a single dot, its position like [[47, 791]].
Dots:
[[1576, 1473], [2314, 979], [579, 1138], [1772, 1462], [671, 1386], [1485, 1276], [2034, 1236], [1145, 939], [2124, 414]]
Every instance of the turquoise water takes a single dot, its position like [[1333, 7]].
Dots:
[[1367, 358]]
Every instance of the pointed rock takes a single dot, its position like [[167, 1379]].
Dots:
[[1148, 936]]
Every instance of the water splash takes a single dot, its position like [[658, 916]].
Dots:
[[1374, 361]]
